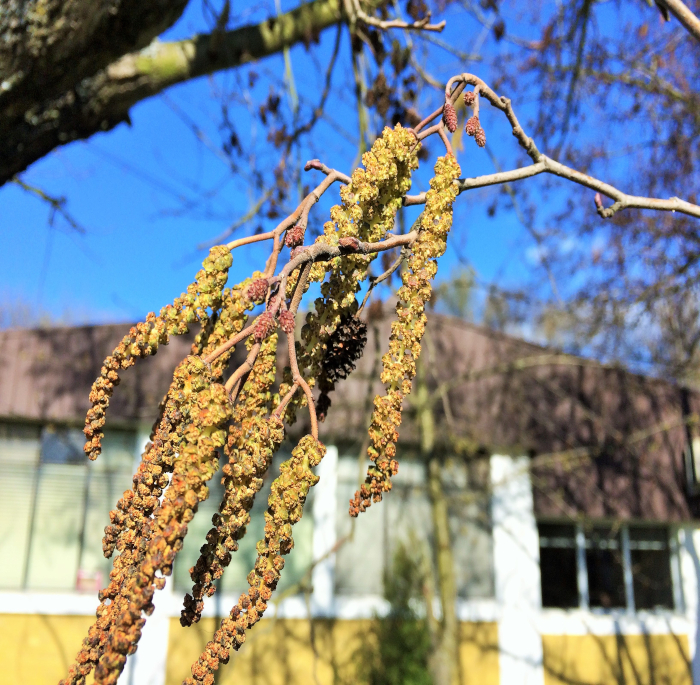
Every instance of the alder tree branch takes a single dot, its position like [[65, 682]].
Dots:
[[57, 204], [681, 12], [101, 100], [542, 163], [420, 25]]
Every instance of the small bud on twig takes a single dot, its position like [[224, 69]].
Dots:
[[469, 98], [294, 236], [349, 242], [472, 126], [257, 290], [449, 117], [287, 321], [264, 325]]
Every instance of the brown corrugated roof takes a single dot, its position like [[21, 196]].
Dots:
[[622, 435]]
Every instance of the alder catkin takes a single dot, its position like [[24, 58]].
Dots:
[[285, 508], [368, 211], [399, 363], [251, 444], [203, 299]]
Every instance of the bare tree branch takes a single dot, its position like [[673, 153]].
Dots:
[[684, 15]]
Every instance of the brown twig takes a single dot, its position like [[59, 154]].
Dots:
[[298, 379], [299, 289], [233, 383], [420, 25], [374, 282], [225, 347], [285, 400]]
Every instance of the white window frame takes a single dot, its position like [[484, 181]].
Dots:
[[582, 573]]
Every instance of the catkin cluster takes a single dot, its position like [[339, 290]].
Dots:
[[143, 340], [285, 506], [252, 441], [199, 409], [399, 363], [368, 210]]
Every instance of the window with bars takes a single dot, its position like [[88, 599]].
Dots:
[[602, 567], [56, 504]]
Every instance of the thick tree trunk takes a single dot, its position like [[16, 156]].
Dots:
[[68, 68]]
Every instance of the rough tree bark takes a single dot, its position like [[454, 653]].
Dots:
[[70, 69]]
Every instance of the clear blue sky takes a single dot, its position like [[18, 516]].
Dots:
[[129, 188]]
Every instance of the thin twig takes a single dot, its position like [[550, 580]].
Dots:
[[297, 378], [233, 383], [225, 347], [420, 25], [374, 282], [58, 204]]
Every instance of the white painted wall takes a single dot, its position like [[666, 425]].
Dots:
[[517, 571], [324, 514]]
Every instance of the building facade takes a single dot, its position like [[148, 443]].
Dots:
[[572, 502]]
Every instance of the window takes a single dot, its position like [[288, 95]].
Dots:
[[606, 581], [651, 570], [558, 565], [57, 505], [404, 518], [605, 567]]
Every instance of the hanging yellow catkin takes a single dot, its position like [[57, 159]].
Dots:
[[368, 211], [206, 413], [285, 507], [198, 409], [143, 340], [252, 442], [399, 363]]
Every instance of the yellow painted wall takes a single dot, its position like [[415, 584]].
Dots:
[[616, 660], [38, 650], [280, 652]]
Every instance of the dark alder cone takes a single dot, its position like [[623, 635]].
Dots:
[[257, 290], [480, 138], [469, 98], [287, 322], [449, 116], [264, 325], [295, 236], [345, 347], [473, 126]]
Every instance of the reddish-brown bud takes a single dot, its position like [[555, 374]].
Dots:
[[257, 290], [297, 251], [264, 325], [480, 138], [473, 126], [449, 117], [349, 242], [294, 236], [287, 322], [469, 98]]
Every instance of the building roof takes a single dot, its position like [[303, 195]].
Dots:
[[603, 442]]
